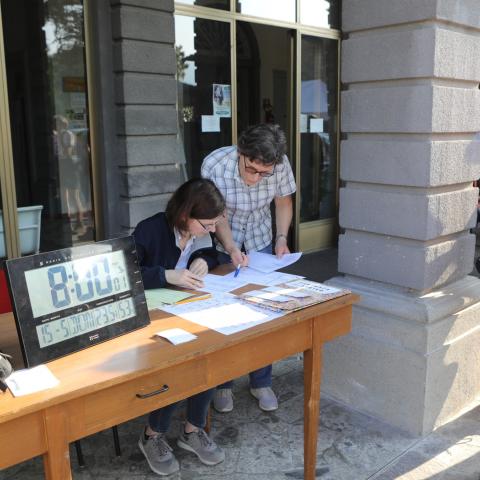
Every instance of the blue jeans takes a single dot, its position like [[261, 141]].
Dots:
[[263, 376], [197, 408]]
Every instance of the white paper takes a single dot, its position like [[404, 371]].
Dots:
[[31, 380], [176, 335], [248, 275], [303, 123], [267, 263], [313, 286], [289, 292], [316, 125], [221, 284], [210, 123], [269, 296], [223, 313]]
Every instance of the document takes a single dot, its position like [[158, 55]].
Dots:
[[176, 335], [267, 263], [222, 284], [157, 297], [315, 287], [31, 380], [248, 275], [225, 314]]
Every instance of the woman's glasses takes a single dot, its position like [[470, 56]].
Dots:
[[254, 171], [210, 226]]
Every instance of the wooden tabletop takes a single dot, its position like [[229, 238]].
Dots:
[[136, 353]]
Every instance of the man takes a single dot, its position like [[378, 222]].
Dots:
[[250, 176]]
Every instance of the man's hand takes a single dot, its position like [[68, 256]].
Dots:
[[281, 247], [183, 278], [199, 267], [238, 257]]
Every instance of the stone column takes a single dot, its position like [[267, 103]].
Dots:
[[410, 115], [145, 98]]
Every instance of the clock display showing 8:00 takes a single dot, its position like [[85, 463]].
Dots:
[[68, 284]]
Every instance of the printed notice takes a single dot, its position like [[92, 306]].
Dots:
[[222, 105], [210, 123]]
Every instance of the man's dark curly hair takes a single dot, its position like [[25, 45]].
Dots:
[[263, 143]]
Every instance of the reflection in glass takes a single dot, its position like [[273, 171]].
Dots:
[[219, 4], [283, 10], [204, 87], [318, 128], [320, 13], [263, 79], [44, 48]]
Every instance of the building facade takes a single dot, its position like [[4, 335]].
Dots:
[[107, 106]]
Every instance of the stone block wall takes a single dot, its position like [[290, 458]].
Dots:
[[411, 150], [144, 86]]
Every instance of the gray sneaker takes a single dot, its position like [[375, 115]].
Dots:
[[158, 454], [267, 399], [202, 446], [223, 400]]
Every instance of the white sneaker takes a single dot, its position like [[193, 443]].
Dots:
[[223, 400], [267, 399]]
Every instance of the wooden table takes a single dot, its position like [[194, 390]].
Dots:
[[99, 386]]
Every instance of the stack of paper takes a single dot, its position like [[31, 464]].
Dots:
[[159, 297], [292, 295]]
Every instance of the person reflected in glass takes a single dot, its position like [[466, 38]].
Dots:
[[176, 247], [252, 175], [70, 176]]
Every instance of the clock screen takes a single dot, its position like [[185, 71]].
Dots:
[[66, 285]]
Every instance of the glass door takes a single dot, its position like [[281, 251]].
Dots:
[[318, 134], [202, 49], [47, 96]]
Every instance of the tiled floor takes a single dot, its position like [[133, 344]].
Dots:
[[269, 446]]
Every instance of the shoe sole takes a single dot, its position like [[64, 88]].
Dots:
[[158, 472], [223, 410], [187, 447], [272, 409]]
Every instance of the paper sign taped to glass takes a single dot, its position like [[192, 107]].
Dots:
[[293, 295]]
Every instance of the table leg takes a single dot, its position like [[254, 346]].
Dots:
[[312, 371], [56, 461]]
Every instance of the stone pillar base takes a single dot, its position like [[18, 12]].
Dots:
[[411, 360]]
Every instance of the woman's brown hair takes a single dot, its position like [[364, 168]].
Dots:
[[197, 198]]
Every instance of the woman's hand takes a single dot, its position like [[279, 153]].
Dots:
[[199, 267], [183, 278]]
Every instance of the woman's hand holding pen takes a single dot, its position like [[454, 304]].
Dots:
[[184, 278]]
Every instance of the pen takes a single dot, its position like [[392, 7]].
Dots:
[[237, 271]]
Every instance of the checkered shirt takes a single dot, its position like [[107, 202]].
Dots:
[[248, 208]]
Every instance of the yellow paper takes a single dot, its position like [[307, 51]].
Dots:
[[157, 297]]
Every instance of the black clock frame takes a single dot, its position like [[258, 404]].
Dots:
[[26, 323]]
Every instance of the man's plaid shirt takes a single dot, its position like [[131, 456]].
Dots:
[[248, 208]]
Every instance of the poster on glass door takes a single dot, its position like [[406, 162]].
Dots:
[[221, 100]]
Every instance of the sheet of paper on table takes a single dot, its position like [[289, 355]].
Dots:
[[157, 297], [221, 284], [267, 263], [223, 313], [31, 380], [248, 275], [313, 286], [176, 335]]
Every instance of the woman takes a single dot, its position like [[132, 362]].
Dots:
[[175, 248]]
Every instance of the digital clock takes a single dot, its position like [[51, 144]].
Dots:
[[72, 298]]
